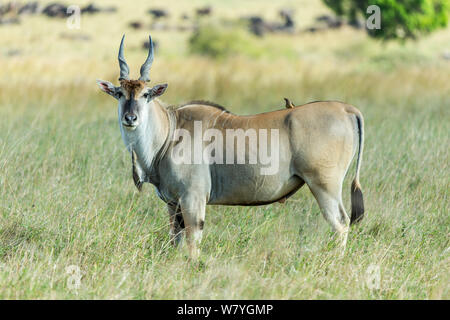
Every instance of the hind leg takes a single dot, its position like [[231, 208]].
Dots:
[[329, 199], [346, 221]]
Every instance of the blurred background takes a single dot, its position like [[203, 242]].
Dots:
[[246, 55], [66, 192]]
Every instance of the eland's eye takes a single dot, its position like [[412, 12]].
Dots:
[[119, 94], [146, 95]]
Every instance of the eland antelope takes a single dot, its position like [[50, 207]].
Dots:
[[315, 144]]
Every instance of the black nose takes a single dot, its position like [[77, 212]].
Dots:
[[130, 117]]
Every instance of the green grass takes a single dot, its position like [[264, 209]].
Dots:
[[67, 195], [67, 198]]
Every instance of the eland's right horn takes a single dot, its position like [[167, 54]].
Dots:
[[124, 70]]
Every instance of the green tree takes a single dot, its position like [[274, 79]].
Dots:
[[400, 19]]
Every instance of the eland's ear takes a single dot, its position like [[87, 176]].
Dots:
[[159, 89], [107, 87]]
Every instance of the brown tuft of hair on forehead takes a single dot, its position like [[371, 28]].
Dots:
[[132, 87]]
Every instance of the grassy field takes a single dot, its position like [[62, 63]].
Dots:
[[67, 197]]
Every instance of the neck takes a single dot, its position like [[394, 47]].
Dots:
[[149, 137]]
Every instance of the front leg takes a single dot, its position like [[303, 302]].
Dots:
[[138, 173], [176, 224], [193, 209]]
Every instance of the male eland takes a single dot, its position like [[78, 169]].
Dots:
[[313, 144]]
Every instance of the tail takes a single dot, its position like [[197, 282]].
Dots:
[[356, 193]]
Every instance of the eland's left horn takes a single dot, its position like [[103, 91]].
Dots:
[[145, 69]]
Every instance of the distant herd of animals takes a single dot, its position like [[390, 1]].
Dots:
[[12, 13]]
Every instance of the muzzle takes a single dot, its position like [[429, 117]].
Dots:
[[130, 120]]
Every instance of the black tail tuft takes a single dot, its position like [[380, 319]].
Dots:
[[357, 203]]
